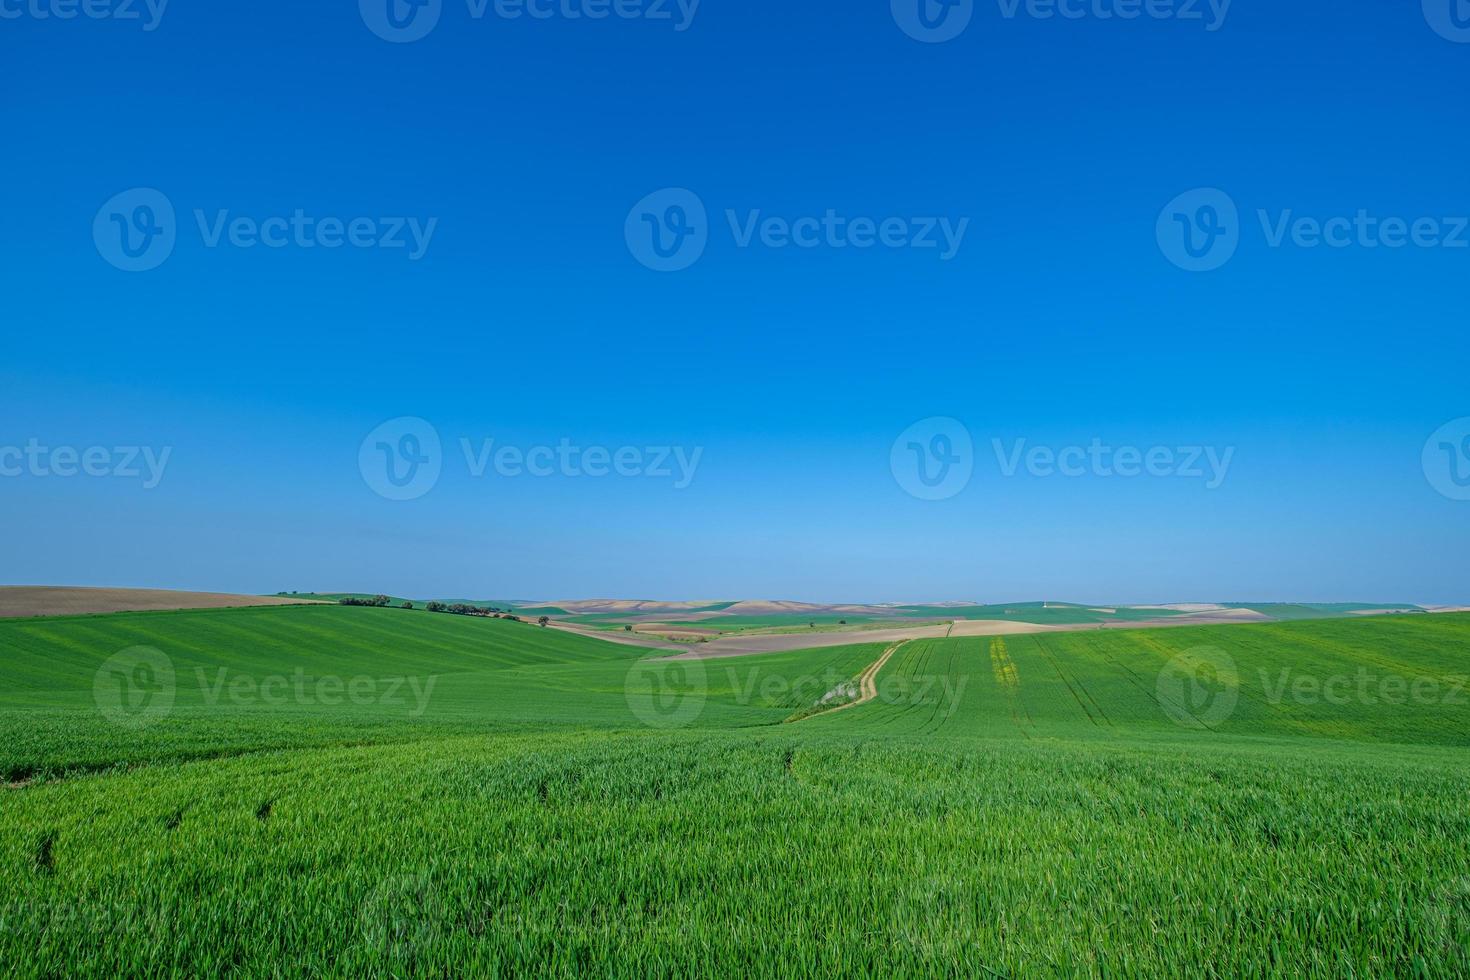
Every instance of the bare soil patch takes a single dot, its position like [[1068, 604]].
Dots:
[[47, 600], [740, 646]]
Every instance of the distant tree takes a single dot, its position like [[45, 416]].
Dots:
[[842, 622], [543, 620], [628, 629], [407, 605], [436, 606], [812, 625]]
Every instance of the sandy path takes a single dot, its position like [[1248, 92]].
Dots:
[[867, 683], [1006, 627]]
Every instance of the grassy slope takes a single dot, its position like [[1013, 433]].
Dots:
[[1056, 820], [430, 675]]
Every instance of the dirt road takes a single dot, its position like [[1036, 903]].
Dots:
[[867, 683]]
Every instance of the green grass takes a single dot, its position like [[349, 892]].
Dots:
[[417, 675], [1037, 805], [1402, 680]]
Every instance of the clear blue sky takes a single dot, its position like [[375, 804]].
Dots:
[[528, 320]]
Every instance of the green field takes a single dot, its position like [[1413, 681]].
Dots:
[[326, 790]]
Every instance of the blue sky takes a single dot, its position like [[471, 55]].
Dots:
[[527, 142]]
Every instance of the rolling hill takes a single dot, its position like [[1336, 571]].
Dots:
[[373, 791]]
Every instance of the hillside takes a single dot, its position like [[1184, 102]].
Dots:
[[384, 792]]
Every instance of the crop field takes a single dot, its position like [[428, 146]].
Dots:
[[1385, 679], [322, 790]]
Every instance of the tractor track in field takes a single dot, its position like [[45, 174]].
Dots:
[[867, 683], [1073, 689]]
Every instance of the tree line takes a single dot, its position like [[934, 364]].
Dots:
[[452, 608]]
